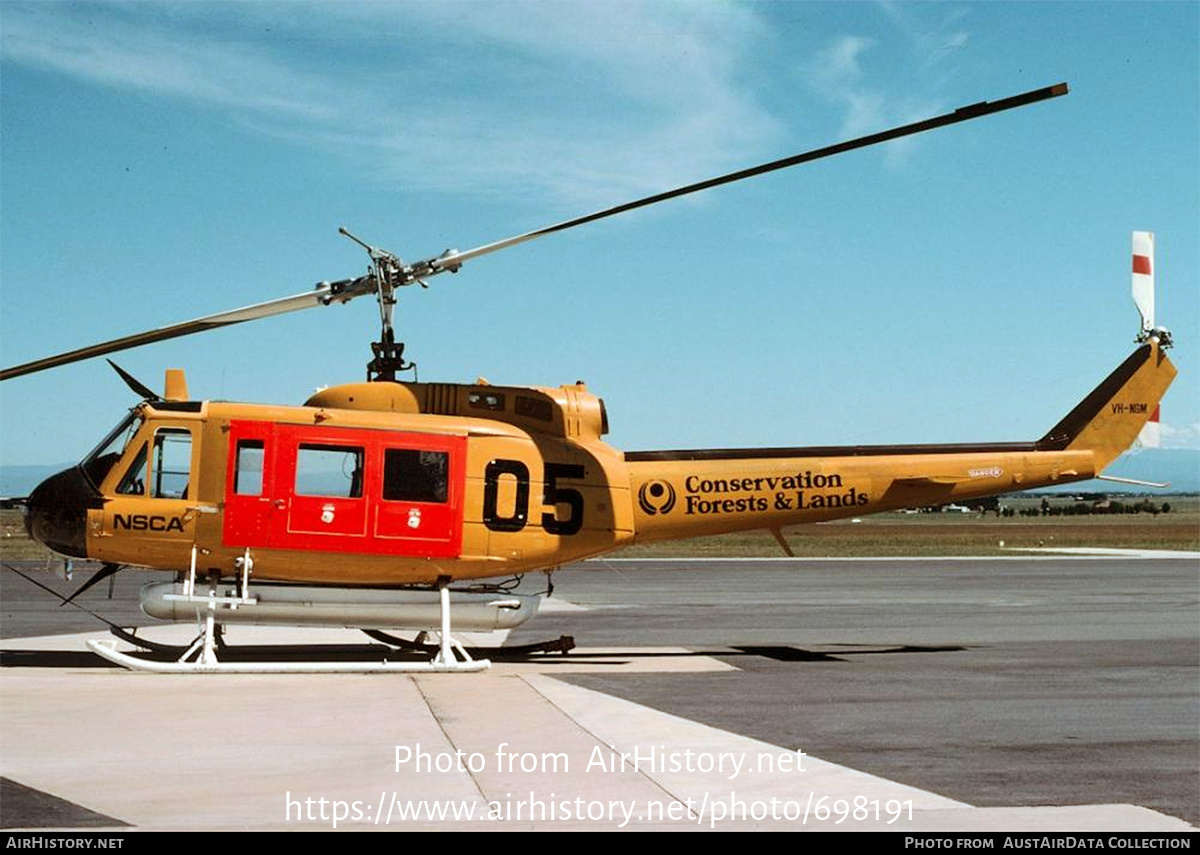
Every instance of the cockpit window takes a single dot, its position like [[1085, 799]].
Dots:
[[97, 464], [172, 463], [167, 473], [134, 482]]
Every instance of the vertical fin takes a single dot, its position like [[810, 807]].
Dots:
[[1110, 419]]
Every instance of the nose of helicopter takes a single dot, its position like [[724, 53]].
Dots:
[[56, 512]]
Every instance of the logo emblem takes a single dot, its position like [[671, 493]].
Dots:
[[414, 518], [327, 514], [656, 497]]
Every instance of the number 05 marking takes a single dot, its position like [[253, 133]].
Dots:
[[554, 495]]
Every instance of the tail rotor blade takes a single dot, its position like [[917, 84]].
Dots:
[[1143, 277]]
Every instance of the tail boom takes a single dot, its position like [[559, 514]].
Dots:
[[689, 494], [679, 494]]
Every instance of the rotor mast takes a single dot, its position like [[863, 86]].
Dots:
[[387, 273]]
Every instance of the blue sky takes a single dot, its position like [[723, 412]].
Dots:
[[160, 162]]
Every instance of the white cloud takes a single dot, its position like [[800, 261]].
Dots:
[[159, 60], [1185, 436], [932, 38], [838, 69], [912, 54], [585, 101]]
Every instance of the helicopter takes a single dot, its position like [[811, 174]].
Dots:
[[364, 505]]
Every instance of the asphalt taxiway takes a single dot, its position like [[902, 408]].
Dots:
[[1030, 693]]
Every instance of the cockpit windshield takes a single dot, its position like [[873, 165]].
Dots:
[[97, 464]]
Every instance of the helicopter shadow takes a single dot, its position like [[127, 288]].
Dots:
[[349, 653]]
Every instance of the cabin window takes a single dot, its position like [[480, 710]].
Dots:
[[411, 475], [172, 463], [248, 468], [134, 482], [329, 470]]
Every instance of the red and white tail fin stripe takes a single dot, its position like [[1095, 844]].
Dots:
[[1143, 298], [1143, 277], [1151, 435]]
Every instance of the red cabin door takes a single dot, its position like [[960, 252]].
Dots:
[[249, 478], [333, 489], [419, 507]]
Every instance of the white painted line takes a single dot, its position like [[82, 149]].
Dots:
[[1098, 551], [558, 604], [664, 741], [1067, 553]]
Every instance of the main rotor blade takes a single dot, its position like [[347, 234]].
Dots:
[[453, 260], [324, 293]]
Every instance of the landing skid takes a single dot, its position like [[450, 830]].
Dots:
[[201, 656], [107, 649]]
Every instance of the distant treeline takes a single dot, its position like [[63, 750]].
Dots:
[[1084, 508], [1085, 504], [1100, 496]]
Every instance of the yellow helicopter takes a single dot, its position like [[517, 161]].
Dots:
[[361, 507]]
